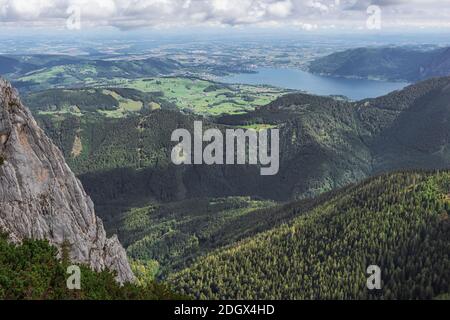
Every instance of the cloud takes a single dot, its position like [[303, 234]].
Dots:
[[318, 5], [280, 9], [306, 14]]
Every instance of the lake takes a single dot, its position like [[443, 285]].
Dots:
[[355, 89]]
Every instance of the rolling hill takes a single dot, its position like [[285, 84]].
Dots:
[[110, 102], [41, 72]]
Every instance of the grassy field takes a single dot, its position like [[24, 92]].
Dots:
[[206, 97], [126, 106]]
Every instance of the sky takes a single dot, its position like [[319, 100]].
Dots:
[[308, 15]]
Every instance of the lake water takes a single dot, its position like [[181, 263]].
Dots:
[[355, 89]]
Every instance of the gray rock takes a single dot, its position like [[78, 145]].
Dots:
[[40, 197]]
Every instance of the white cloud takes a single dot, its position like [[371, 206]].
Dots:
[[280, 9], [310, 14], [318, 5], [306, 26]]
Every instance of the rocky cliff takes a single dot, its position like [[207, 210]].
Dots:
[[40, 197]]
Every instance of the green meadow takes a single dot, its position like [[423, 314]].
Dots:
[[207, 97]]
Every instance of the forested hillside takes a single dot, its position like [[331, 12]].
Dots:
[[403, 64], [172, 235], [399, 222]]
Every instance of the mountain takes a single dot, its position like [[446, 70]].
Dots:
[[439, 66], [413, 128], [163, 212], [40, 198], [399, 222], [325, 144], [395, 64]]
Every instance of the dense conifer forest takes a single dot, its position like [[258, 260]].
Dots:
[[399, 222]]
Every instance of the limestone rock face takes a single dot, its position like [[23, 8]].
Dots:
[[40, 197]]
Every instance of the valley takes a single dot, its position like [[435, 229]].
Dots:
[[170, 218], [363, 170]]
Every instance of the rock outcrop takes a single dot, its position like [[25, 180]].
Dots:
[[40, 197]]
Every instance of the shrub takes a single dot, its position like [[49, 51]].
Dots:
[[32, 271]]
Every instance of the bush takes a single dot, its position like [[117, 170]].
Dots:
[[32, 271]]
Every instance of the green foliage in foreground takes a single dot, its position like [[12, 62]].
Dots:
[[32, 271], [443, 297], [399, 222]]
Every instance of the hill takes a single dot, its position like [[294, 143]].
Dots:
[[327, 143], [404, 64], [110, 102], [399, 222], [41, 72]]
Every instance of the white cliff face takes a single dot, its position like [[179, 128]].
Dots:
[[40, 197]]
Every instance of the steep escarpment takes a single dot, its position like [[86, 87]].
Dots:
[[40, 198]]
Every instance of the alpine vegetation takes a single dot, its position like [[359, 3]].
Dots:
[[239, 146]]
